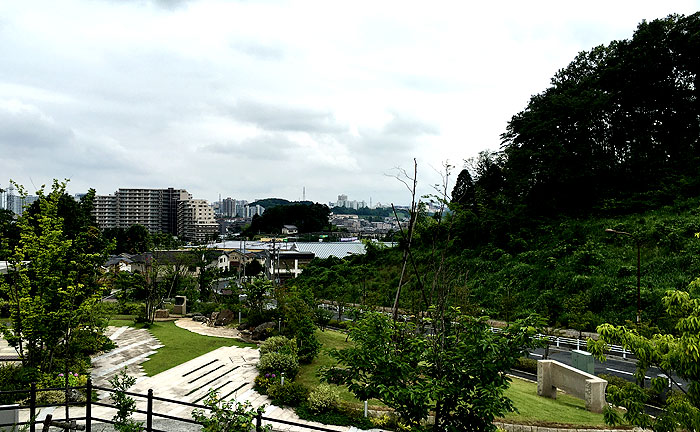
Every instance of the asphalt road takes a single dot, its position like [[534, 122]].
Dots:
[[612, 366]]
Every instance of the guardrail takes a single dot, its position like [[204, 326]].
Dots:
[[89, 417], [560, 342]]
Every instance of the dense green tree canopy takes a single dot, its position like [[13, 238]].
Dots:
[[306, 217], [620, 122]]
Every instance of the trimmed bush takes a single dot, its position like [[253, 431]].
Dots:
[[291, 393], [526, 365], [343, 325], [275, 362], [280, 344], [263, 382], [323, 398]]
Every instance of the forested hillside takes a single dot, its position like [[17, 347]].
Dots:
[[613, 143]]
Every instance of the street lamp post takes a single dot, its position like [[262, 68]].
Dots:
[[639, 265]]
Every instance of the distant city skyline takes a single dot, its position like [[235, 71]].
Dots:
[[263, 99]]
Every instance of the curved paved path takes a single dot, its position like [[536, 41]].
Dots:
[[203, 329]]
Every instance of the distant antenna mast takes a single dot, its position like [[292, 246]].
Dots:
[[303, 194]]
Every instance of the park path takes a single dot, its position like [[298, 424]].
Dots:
[[229, 370]]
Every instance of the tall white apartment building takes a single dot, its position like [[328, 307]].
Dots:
[[195, 220]]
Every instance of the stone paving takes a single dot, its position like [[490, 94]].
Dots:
[[203, 329], [228, 370], [134, 346]]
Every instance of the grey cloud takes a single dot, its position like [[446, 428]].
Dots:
[[30, 138], [259, 51], [403, 125], [264, 147], [430, 84], [165, 4], [284, 118], [24, 130]]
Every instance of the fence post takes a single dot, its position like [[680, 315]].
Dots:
[[557, 342], [88, 406], [258, 422], [32, 407], [149, 411]]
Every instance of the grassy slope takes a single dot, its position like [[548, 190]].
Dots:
[[535, 409], [179, 345], [532, 408]]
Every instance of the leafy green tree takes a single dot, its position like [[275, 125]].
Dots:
[[458, 372], [299, 320], [257, 292], [676, 354], [125, 404], [224, 416], [53, 283], [9, 233]]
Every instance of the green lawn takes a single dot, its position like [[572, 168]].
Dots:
[[536, 409], [531, 408], [179, 345], [307, 373]]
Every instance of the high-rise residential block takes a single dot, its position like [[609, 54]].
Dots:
[[155, 209], [195, 220]]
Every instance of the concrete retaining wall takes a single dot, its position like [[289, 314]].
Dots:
[[525, 428], [552, 375]]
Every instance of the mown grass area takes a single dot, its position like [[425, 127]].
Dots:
[[566, 409], [533, 409], [179, 345]]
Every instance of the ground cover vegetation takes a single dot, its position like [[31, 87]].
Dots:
[[612, 144]]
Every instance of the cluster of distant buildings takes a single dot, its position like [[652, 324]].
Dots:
[[176, 212], [169, 210], [9, 200], [280, 261]]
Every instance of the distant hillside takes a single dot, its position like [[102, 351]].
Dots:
[[613, 143], [274, 202]]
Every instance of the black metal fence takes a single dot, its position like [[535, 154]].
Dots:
[[89, 418]]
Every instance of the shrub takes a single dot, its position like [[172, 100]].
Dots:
[[291, 393], [275, 362], [205, 308], [343, 325], [307, 342], [58, 380], [339, 417], [224, 416], [15, 377], [280, 344], [263, 382], [526, 365], [323, 398], [652, 396]]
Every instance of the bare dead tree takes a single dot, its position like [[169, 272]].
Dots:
[[411, 184]]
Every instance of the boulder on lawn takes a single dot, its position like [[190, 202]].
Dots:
[[224, 318], [261, 332]]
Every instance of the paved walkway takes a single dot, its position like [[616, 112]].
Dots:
[[203, 329], [230, 371]]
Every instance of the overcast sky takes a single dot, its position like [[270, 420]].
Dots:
[[254, 99]]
